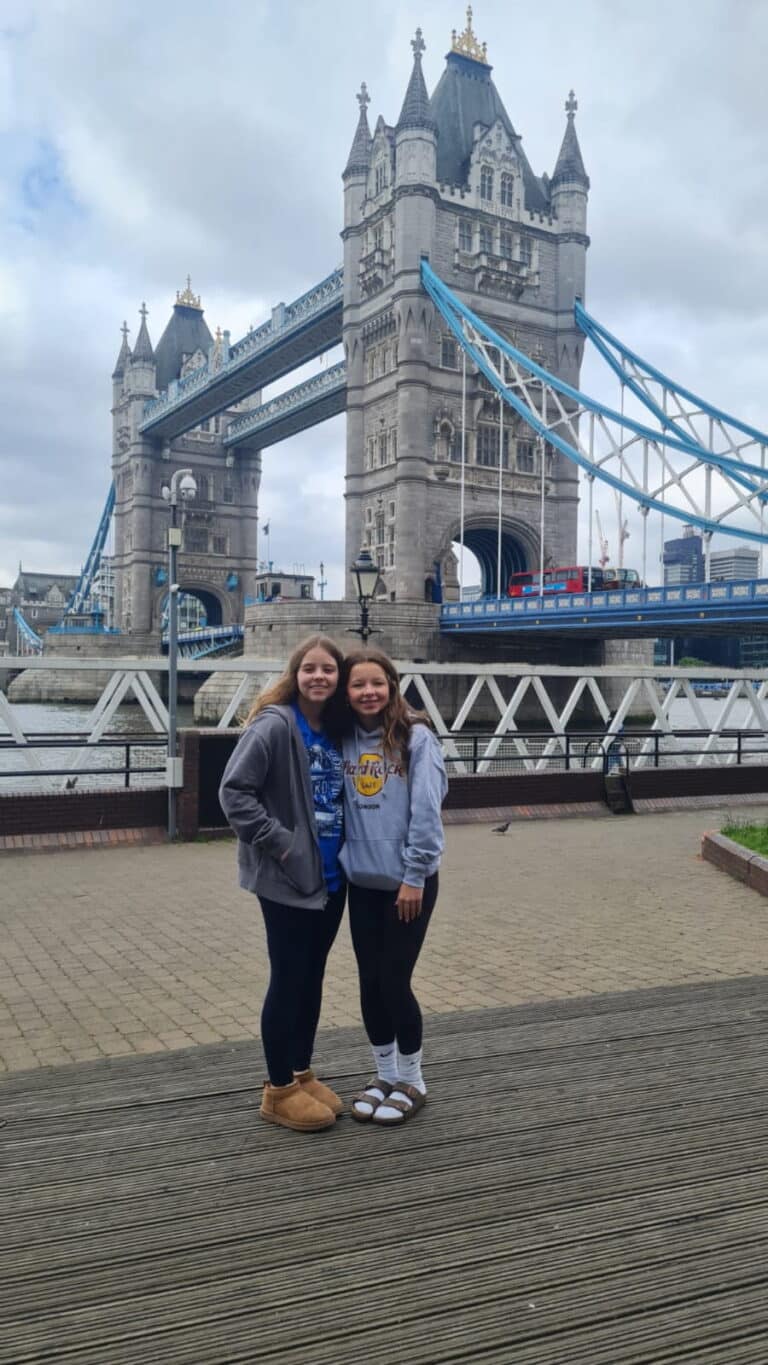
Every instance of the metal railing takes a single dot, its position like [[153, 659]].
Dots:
[[125, 762], [585, 750]]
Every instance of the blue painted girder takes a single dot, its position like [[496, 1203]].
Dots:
[[692, 609]]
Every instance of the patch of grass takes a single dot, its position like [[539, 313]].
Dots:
[[753, 837]]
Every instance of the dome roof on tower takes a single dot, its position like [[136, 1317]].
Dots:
[[464, 97], [186, 332]]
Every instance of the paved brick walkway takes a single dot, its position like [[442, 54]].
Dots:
[[139, 949]]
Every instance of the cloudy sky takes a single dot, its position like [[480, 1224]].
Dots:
[[138, 144]]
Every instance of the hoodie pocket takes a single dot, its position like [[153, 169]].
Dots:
[[376, 863], [301, 866]]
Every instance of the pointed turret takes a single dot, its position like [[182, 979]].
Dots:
[[124, 355], [415, 112], [142, 351], [359, 157], [570, 165]]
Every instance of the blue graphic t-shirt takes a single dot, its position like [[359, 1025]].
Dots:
[[326, 771]]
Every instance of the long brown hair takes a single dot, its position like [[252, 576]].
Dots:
[[286, 689], [397, 718]]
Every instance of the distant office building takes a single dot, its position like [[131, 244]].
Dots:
[[103, 590], [273, 586], [684, 558], [5, 612], [740, 562]]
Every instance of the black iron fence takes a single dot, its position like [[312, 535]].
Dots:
[[581, 750], [123, 761]]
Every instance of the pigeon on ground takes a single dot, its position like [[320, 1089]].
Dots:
[[501, 829]]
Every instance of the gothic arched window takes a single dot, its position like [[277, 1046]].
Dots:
[[446, 442], [380, 177], [507, 189], [486, 182]]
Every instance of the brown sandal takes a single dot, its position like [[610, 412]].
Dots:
[[418, 1100], [365, 1097]]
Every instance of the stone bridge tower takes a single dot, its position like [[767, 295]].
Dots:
[[217, 563], [450, 180]]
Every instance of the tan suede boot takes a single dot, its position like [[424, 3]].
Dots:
[[293, 1107], [312, 1086]]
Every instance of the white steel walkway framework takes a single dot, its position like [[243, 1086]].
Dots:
[[556, 693]]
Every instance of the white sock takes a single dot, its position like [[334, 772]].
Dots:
[[385, 1060], [409, 1072]]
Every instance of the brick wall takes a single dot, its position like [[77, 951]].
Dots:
[[44, 813]]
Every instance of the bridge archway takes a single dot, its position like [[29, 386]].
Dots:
[[519, 549], [198, 605]]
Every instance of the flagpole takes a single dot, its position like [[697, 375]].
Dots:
[[501, 487], [463, 469]]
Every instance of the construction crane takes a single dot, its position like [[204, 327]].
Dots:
[[604, 552], [623, 526]]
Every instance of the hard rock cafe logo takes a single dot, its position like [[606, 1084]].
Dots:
[[370, 775]]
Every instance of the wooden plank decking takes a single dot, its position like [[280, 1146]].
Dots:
[[588, 1185]]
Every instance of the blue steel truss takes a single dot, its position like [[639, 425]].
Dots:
[[32, 641], [628, 366], [690, 609], [206, 640], [552, 409], [80, 598]]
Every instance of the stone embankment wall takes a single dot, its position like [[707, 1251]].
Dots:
[[78, 685]]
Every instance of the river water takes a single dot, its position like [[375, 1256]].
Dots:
[[58, 719]]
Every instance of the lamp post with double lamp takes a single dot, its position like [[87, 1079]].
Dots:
[[366, 575], [182, 486]]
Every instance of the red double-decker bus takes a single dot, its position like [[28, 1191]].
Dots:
[[572, 578]]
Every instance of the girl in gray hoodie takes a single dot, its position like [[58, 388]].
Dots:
[[394, 787], [282, 794]]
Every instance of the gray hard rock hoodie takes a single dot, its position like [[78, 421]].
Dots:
[[266, 795], [393, 829]]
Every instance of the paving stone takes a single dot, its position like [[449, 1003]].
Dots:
[[157, 945]]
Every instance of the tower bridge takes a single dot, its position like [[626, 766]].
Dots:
[[460, 306]]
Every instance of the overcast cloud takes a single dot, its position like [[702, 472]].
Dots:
[[141, 143]]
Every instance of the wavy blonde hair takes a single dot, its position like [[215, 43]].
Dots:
[[397, 718], [286, 689]]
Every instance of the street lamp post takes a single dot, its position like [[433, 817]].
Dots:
[[366, 575], [183, 486]]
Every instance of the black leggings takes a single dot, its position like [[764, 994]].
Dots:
[[299, 942], [387, 949]]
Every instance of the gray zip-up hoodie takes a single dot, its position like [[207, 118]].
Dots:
[[266, 795], [393, 829]]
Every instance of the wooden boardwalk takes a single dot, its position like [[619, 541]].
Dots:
[[588, 1185]]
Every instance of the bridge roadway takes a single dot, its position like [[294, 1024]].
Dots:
[[651, 613], [296, 333]]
